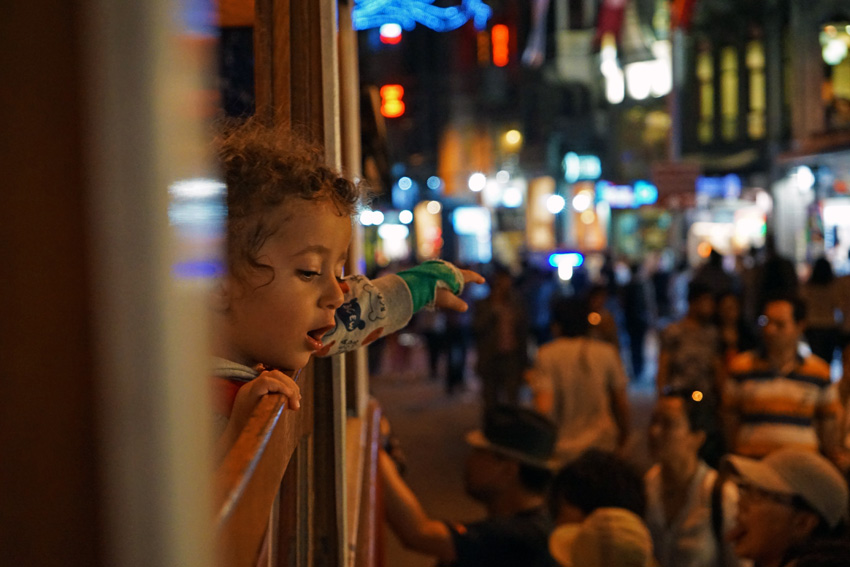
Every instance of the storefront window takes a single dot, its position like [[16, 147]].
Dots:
[[757, 102], [729, 93]]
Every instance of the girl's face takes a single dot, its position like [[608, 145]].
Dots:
[[280, 322]]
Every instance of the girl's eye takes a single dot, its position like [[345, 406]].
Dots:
[[308, 275]]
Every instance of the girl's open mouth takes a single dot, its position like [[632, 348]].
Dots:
[[314, 337]]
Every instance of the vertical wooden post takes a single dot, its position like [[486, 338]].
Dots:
[[297, 84], [48, 389]]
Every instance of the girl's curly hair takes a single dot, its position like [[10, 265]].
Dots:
[[262, 167]]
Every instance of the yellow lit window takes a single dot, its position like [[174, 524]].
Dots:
[[729, 93], [758, 101]]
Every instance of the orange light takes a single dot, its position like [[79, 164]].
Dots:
[[391, 104], [392, 91], [704, 249], [483, 48], [500, 35]]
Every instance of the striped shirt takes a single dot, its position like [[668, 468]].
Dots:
[[775, 409]]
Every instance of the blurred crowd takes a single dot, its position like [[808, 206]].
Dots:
[[748, 438]]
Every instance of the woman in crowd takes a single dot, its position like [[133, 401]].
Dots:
[[687, 506]]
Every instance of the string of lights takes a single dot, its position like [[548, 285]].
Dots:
[[407, 13]]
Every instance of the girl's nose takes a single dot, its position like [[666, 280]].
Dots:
[[334, 295]]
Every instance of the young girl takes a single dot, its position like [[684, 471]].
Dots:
[[284, 297]]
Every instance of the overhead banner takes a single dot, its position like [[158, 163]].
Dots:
[[676, 183]]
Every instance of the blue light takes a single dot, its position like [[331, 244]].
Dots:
[[581, 167], [726, 187], [572, 259], [407, 13], [732, 186], [645, 193], [194, 269]]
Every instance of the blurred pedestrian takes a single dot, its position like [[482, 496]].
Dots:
[[500, 326], [638, 317], [689, 358], [596, 479], [456, 344], [775, 276], [662, 276], [579, 382], [603, 326], [736, 334], [821, 300], [689, 347], [431, 324], [713, 276], [537, 287], [776, 398], [842, 296]]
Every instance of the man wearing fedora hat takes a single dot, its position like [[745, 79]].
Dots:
[[508, 471]]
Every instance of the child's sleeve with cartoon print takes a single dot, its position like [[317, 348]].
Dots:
[[374, 308]]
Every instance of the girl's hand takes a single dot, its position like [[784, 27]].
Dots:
[[445, 299], [268, 382]]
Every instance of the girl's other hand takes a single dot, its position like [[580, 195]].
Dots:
[[445, 299]]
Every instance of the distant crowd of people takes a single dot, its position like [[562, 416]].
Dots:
[[747, 439]]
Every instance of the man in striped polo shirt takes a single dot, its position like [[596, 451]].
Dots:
[[776, 398]]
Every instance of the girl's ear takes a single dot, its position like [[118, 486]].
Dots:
[[221, 295]]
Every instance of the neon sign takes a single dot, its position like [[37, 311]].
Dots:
[[578, 167], [627, 196], [407, 13]]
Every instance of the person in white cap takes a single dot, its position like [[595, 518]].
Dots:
[[608, 537], [790, 500], [508, 471]]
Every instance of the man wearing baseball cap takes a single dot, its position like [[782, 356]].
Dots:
[[789, 500], [508, 471]]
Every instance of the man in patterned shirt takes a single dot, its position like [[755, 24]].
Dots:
[[774, 397]]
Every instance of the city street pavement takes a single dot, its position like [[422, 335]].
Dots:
[[431, 427]]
